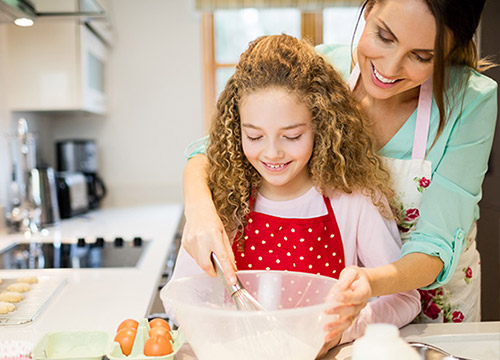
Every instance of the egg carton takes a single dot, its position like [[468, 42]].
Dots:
[[98, 345], [115, 352]]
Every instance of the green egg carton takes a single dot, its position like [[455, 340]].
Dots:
[[94, 345], [114, 350], [71, 345]]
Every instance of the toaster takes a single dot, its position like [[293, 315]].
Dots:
[[72, 195]]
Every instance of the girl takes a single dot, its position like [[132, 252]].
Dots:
[[433, 117], [294, 178]]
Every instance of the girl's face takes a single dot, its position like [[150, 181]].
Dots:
[[396, 49], [278, 138]]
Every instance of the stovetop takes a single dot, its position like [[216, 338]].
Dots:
[[85, 253]]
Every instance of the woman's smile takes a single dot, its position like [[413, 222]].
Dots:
[[381, 81]]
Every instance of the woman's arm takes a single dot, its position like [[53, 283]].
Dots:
[[373, 241], [459, 160], [357, 285], [203, 232]]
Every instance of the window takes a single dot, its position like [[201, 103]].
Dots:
[[228, 32], [234, 29], [339, 24]]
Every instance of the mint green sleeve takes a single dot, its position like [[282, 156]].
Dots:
[[196, 147], [460, 161]]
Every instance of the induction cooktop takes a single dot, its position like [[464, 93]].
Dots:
[[83, 254]]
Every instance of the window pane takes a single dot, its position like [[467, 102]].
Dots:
[[339, 23], [234, 29], [222, 75]]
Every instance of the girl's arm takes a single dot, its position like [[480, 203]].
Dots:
[[203, 232]]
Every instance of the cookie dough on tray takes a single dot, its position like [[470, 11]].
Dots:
[[28, 280], [19, 287], [6, 307], [11, 296]]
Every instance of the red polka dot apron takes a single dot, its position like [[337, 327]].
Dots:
[[459, 299], [312, 245]]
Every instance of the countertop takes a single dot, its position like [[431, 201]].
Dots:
[[478, 341], [99, 299]]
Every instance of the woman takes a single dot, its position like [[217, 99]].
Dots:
[[433, 116]]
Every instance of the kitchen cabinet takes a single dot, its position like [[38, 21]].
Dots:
[[56, 65]]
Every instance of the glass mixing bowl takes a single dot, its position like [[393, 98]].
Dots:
[[292, 328]]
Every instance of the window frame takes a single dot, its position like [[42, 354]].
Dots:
[[311, 29]]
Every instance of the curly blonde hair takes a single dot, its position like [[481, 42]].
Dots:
[[343, 158]]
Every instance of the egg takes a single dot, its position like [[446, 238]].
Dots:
[[128, 323], [159, 322], [160, 330], [125, 337], [157, 346]]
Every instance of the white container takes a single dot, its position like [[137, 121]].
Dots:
[[292, 328], [382, 342]]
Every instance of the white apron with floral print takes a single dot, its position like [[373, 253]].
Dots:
[[459, 299]]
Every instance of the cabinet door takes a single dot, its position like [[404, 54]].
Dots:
[[93, 71], [43, 65], [55, 66]]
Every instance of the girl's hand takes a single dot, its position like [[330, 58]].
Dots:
[[348, 296], [203, 234]]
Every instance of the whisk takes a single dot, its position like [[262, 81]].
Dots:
[[242, 298]]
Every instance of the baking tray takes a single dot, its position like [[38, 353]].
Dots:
[[34, 300]]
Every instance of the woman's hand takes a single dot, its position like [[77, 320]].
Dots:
[[203, 232], [348, 297]]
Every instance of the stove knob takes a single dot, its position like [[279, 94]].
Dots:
[[119, 242], [99, 242], [137, 241], [81, 242]]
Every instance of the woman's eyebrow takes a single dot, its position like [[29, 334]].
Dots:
[[387, 28]]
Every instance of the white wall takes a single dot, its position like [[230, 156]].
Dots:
[[155, 103]]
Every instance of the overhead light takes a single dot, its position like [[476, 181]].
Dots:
[[24, 22]]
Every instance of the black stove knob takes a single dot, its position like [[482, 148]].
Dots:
[[81, 242], [137, 241], [99, 242], [119, 242]]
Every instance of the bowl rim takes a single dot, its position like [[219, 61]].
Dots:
[[239, 313]]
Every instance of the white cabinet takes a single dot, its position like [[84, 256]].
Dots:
[[56, 66]]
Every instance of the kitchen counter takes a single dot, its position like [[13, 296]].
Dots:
[[478, 341], [99, 299]]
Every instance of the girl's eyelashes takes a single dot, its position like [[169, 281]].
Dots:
[[291, 138], [297, 137], [253, 138]]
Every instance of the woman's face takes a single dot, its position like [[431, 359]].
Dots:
[[396, 49], [278, 139]]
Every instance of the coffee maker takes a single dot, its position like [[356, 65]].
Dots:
[[76, 156]]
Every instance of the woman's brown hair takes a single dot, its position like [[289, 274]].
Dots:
[[343, 158]]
